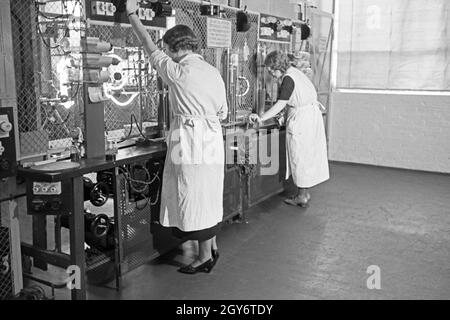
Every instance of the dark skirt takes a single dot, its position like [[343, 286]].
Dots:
[[199, 235]]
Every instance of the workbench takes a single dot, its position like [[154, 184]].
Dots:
[[240, 193]]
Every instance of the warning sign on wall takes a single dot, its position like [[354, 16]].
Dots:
[[218, 33]]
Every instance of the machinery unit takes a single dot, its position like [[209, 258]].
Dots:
[[151, 13], [49, 198], [78, 61], [93, 114], [225, 45]]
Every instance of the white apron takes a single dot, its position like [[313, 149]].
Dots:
[[192, 191], [306, 145]]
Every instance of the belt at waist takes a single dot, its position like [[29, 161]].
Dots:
[[190, 119], [296, 108]]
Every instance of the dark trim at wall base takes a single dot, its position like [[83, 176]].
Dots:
[[386, 167]]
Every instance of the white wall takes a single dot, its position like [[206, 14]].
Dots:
[[400, 131], [282, 8], [393, 130]]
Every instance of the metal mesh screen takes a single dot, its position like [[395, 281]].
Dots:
[[6, 280], [135, 228], [145, 106], [38, 30], [46, 121], [247, 64], [188, 13]]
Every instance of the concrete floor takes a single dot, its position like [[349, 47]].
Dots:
[[397, 220]]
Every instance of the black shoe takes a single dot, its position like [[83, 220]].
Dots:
[[204, 267], [298, 201], [215, 256]]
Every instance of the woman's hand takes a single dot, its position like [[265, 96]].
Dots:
[[132, 6], [254, 118]]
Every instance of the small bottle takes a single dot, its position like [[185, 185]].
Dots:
[[75, 153], [111, 150], [246, 51]]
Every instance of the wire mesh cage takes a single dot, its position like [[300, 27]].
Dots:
[[142, 79], [38, 29], [6, 279], [50, 75], [244, 45], [135, 228], [50, 79]]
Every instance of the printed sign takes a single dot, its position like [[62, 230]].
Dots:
[[218, 33]]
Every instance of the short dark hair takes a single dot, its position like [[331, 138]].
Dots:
[[278, 60], [181, 37]]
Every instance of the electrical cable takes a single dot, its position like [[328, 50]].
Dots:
[[129, 133], [43, 39], [77, 91], [41, 14], [148, 177], [132, 122], [130, 182], [138, 127]]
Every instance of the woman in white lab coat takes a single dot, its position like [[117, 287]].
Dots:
[[192, 192], [305, 131]]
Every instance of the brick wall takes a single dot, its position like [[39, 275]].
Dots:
[[400, 131]]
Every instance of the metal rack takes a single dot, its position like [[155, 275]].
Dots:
[[47, 122]]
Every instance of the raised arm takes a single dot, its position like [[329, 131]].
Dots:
[[138, 27], [167, 69]]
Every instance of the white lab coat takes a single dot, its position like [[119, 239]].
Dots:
[[306, 145], [192, 192]]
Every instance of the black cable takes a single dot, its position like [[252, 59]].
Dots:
[[129, 180], [37, 4], [77, 91], [133, 121], [43, 39], [138, 127], [129, 133], [132, 180], [157, 191], [13, 197], [149, 200]]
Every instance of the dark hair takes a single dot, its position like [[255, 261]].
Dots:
[[181, 37], [278, 60]]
